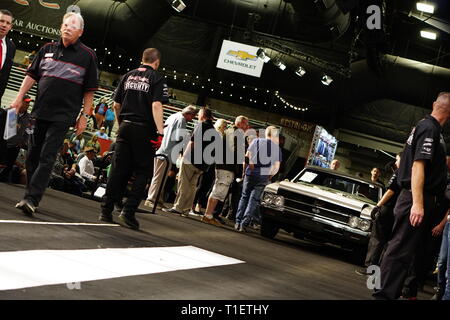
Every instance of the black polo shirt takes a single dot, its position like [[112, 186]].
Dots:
[[63, 75], [393, 186], [202, 139], [425, 142], [137, 91]]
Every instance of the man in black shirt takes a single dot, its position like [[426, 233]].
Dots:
[[383, 218], [138, 106], [66, 72], [194, 163], [422, 176]]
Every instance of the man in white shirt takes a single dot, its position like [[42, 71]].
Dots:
[[174, 131], [87, 170]]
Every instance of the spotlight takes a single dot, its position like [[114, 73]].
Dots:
[[326, 80], [300, 71], [177, 5], [425, 7], [280, 64], [262, 55], [428, 35]]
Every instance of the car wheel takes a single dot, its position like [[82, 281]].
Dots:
[[268, 229]]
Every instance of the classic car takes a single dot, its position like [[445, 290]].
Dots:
[[322, 205]]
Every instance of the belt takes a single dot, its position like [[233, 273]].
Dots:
[[143, 124]]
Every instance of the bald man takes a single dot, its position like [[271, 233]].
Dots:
[[422, 176]]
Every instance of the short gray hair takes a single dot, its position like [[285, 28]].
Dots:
[[79, 17], [272, 132], [189, 110], [239, 119]]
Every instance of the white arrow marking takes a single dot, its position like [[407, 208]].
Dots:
[[24, 269]]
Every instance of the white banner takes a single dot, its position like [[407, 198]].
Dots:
[[238, 57]]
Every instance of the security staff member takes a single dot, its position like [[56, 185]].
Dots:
[[66, 72], [383, 219], [138, 106], [422, 176]]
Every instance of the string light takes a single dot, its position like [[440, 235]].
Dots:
[[287, 104]]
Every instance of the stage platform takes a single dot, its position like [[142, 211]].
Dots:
[[63, 252]]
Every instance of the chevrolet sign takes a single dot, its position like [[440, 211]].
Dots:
[[238, 57]]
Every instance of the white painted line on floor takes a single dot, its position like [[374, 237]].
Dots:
[[61, 223], [33, 268]]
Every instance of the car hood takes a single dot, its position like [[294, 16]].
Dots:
[[322, 193]]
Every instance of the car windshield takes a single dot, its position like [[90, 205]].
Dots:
[[343, 184]]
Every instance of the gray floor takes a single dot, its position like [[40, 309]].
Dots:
[[280, 269]]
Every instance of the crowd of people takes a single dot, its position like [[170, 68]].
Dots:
[[218, 171]]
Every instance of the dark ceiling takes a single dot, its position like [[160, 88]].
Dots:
[[332, 32]]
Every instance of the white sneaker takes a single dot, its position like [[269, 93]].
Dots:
[[149, 203]]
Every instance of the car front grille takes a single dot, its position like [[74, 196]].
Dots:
[[297, 202]]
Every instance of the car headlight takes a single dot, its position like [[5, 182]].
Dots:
[[358, 223], [353, 222], [267, 197], [278, 201], [364, 224], [270, 199]]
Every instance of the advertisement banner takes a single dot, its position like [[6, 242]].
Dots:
[[39, 17], [241, 58]]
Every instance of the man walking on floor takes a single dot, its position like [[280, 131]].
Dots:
[[138, 105], [66, 72]]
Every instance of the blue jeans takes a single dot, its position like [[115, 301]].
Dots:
[[251, 196], [444, 272]]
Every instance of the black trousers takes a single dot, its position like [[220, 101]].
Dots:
[[43, 144], [402, 246], [232, 202], [380, 235], [133, 154], [204, 189]]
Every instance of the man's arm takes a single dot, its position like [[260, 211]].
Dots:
[[274, 169], [27, 84], [117, 107], [438, 229], [386, 196], [157, 109], [417, 182], [80, 126]]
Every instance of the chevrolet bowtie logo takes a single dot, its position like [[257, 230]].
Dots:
[[242, 55]]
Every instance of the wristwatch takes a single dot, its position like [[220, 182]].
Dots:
[[85, 115]]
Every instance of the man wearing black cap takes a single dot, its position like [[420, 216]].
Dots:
[[422, 176], [138, 105], [12, 146]]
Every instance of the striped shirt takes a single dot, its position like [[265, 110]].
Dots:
[[63, 76]]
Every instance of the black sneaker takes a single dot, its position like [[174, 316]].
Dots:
[[106, 218], [27, 207], [129, 220]]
